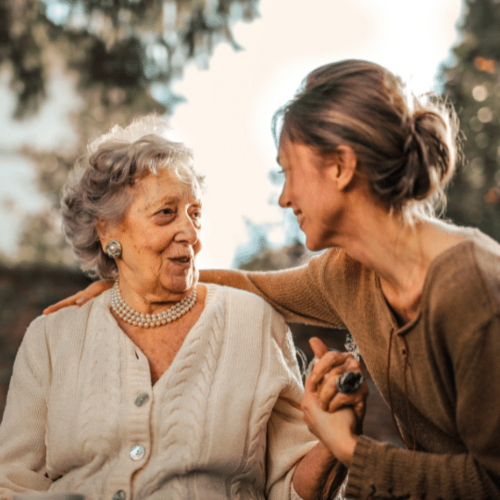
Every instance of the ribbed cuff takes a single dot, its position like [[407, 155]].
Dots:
[[365, 467]]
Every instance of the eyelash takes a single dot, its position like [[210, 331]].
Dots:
[[168, 212]]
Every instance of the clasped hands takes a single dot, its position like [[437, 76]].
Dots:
[[333, 417]]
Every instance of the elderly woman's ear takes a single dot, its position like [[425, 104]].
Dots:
[[101, 231], [110, 245]]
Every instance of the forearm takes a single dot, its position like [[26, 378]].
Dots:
[[319, 474], [262, 284], [382, 470], [294, 293]]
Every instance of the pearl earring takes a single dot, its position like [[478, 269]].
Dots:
[[113, 249]]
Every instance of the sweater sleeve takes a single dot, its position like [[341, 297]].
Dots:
[[380, 470], [22, 432], [288, 438], [299, 294]]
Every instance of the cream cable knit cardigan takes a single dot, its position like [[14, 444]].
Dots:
[[217, 425]]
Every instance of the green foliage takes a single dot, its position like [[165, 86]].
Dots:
[[23, 31], [123, 43], [123, 56], [473, 86]]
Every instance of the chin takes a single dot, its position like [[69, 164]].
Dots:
[[180, 284], [314, 246], [182, 287]]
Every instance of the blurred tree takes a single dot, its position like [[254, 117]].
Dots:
[[473, 86], [260, 255], [123, 56]]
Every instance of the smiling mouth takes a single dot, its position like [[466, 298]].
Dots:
[[186, 259]]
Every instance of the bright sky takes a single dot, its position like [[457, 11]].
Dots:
[[229, 108]]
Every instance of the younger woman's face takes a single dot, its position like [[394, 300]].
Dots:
[[311, 192]]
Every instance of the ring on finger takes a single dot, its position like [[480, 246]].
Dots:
[[349, 382]]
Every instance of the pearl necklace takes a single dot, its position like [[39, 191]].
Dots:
[[135, 318]]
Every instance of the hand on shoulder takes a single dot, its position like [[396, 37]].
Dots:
[[80, 298]]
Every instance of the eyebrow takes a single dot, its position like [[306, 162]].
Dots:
[[169, 200], [156, 205]]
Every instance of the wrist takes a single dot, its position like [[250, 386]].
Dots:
[[344, 450]]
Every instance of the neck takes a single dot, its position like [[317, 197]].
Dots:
[[396, 252], [149, 299], [400, 254]]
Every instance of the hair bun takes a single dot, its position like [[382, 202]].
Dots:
[[429, 161]]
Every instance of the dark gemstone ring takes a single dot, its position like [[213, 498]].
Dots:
[[349, 382]]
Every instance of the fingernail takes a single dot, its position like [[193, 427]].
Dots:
[[81, 301]]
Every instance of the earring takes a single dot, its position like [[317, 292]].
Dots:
[[113, 249]]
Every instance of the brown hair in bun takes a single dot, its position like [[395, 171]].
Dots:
[[406, 146]]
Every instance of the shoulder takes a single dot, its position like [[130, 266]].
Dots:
[[332, 257], [70, 318], [248, 310], [486, 252], [464, 282], [346, 284], [61, 328], [254, 326], [335, 263]]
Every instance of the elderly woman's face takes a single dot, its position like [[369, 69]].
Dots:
[[159, 236]]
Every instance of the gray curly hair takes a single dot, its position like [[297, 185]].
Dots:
[[98, 187]]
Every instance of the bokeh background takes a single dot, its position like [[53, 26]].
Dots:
[[218, 69]]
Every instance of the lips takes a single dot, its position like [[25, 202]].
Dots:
[[300, 217], [181, 259]]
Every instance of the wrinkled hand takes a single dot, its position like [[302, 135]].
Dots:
[[336, 430], [335, 418], [328, 367], [80, 298]]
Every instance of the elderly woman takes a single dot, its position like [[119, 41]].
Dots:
[[162, 387]]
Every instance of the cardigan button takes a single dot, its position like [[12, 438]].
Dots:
[[119, 495], [137, 452], [142, 399]]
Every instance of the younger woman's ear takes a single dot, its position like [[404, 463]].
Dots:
[[346, 161]]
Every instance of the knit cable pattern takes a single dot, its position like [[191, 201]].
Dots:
[[103, 398], [253, 471], [183, 418]]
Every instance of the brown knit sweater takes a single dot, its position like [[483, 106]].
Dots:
[[451, 415]]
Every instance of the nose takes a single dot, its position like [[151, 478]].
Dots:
[[187, 232], [284, 200]]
